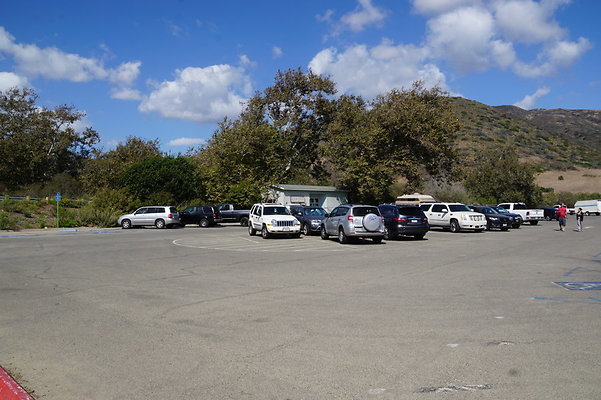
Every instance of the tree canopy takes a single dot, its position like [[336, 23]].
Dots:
[[37, 143]]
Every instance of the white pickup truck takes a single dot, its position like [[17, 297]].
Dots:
[[528, 214]]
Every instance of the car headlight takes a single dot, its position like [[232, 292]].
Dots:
[[274, 222], [296, 222], [494, 218]]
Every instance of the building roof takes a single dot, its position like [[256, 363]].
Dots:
[[308, 188]]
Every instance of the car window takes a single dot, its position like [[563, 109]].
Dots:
[[141, 211], [276, 210], [520, 207], [505, 206], [459, 207], [425, 207], [439, 208], [334, 212], [172, 210], [315, 211], [411, 211], [207, 210], [387, 211], [363, 211]]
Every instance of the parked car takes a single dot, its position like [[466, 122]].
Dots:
[[403, 220], [350, 221], [516, 219], [494, 219], [453, 216], [550, 213], [272, 219], [309, 217], [589, 206], [233, 213], [159, 216], [530, 215], [203, 216]]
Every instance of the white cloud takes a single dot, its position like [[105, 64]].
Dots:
[[204, 95], [530, 100], [560, 55], [373, 71], [365, 14], [277, 52], [326, 17], [126, 94], [528, 21], [184, 141], [9, 80], [432, 7], [32, 62]]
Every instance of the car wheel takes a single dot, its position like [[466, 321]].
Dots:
[[419, 237], [243, 221], [296, 235], [324, 235], [533, 222], [547, 218], [478, 230], [305, 230], [251, 230], [342, 238], [204, 223], [265, 233], [386, 233], [126, 224], [587, 213], [159, 223], [377, 240], [504, 229], [455, 226]]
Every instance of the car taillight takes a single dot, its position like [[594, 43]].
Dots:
[[425, 219], [214, 215], [399, 219], [350, 218], [169, 215]]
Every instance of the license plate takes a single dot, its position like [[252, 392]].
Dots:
[[413, 221], [286, 229]]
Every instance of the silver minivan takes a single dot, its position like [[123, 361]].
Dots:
[[159, 216], [350, 221]]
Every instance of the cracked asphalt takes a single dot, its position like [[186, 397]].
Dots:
[[214, 314]]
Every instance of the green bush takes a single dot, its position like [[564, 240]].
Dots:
[[6, 222], [102, 217], [42, 222]]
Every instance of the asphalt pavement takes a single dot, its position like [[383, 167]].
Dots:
[[216, 314]]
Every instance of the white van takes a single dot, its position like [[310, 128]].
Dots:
[[414, 199], [589, 206]]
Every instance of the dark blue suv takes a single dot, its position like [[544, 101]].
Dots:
[[404, 220], [309, 217]]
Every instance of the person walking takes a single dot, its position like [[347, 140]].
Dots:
[[562, 213], [579, 219]]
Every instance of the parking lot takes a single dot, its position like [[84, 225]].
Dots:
[[214, 313]]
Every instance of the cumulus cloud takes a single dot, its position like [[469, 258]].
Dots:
[[377, 70], [530, 100], [365, 14], [32, 62], [9, 80], [433, 7], [125, 94], [277, 52], [528, 21], [204, 95], [184, 141]]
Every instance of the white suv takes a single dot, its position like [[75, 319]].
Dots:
[[454, 216], [270, 219]]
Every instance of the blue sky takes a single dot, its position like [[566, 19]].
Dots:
[[173, 69]]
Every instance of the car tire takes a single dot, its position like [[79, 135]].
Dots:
[[371, 222], [504, 229], [377, 240], [204, 223], [264, 232], [296, 235], [478, 230], [455, 226], [419, 237], [159, 223], [305, 230], [547, 218], [126, 224], [251, 231], [587, 213], [533, 222], [342, 238], [243, 221], [324, 235]]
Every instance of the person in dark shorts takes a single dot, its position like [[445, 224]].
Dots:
[[579, 219]]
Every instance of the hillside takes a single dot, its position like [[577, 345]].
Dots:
[[547, 139]]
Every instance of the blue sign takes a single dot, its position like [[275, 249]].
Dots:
[[58, 196], [580, 285]]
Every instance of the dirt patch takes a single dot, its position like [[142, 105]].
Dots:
[[577, 181]]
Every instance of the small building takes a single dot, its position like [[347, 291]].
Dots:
[[327, 197], [415, 198]]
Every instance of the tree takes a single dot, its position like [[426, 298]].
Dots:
[[104, 168], [400, 134], [499, 176], [37, 143], [162, 180]]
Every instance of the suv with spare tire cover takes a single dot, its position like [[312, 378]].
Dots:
[[350, 221]]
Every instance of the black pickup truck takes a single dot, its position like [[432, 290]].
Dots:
[[233, 213]]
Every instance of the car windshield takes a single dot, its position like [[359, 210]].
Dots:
[[363, 211], [488, 210], [518, 206], [271, 210], [459, 207], [500, 210], [315, 211], [411, 211]]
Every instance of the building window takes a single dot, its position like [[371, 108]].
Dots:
[[314, 202]]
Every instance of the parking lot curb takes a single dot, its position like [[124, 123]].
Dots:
[[10, 389]]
